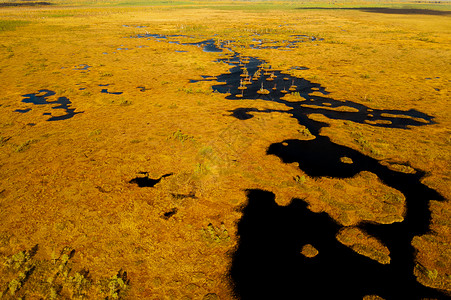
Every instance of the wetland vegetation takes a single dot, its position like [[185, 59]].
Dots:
[[220, 150]]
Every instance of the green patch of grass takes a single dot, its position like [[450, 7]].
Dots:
[[333, 42], [423, 38], [125, 102], [362, 142], [299, 179], [55, 277], [313, 77], [206, 151], [196, 91], [305, 132], [25, 146], [296, 95], [431, 274], [8, 49], [95, 132], [106, 74], [180, 136], [200, 168], [366, 98], [366, 146], [191, 28], [8, 25], [117, 285], [215, 235]]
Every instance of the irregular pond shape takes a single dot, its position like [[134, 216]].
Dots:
[[22, 111], [169, 213], [209, 45], [105, 91], [268, 263], [40, 98], [82, 67], [146, 181]]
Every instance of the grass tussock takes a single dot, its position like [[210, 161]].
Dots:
[[10, 25]]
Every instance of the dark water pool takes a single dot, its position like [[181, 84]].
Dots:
[[268, 264], [146, 181], [22, 111], [42, 98], [82, 67], [105, 91]]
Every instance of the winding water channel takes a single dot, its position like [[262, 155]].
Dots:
[[267, 263]]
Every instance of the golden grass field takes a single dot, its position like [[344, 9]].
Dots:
[[64, 185]]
